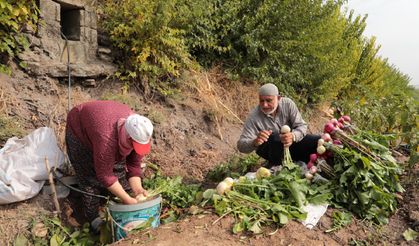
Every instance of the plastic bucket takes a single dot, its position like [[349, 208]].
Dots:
[[128, 217]]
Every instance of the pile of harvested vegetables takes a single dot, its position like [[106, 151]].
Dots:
[[352, 169]]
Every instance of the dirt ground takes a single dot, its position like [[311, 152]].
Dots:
[[194, 133]]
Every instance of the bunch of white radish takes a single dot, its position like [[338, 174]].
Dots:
[[225, 186], [287, 155]]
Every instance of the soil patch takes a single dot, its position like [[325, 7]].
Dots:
[[192, 135]]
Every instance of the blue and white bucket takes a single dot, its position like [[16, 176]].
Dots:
[[128, 217]]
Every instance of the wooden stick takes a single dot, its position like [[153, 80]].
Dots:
[[222, 216], [53, 190], [218, 100]]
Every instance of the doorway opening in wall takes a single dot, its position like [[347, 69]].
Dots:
[[70, 21]]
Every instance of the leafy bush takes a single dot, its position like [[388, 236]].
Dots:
[[388, 107], [302, 46], [14, 16], [147, 36]]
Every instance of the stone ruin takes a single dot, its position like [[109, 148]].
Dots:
[[67, 37]]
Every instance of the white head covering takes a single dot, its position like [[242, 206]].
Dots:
[[139, 128], [268, 90]]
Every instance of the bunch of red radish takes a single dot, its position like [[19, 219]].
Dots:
[[326, 140], [332, 125]]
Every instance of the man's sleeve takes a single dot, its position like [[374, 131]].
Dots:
[[299, 126], [249, 134]]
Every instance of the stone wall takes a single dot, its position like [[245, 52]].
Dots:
[[67, 32]]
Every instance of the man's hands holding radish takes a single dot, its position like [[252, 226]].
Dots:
[[287, 138]]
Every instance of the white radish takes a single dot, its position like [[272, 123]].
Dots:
[[285, 129], [141, 197], [308, 176], [222, 187], [321, 149], [263, 172], [320, 142], [287, 155], [229, 181], [242, 179]]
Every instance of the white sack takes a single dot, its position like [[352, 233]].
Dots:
[[22, 164]]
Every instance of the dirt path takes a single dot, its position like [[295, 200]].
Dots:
[[189, 141]]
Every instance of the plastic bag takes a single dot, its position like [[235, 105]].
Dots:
[[22, 164]]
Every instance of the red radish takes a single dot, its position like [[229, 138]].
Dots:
[[313, 169], [326, 137], [329, 154], [329, 128], [346, 118], [341, 120], [310, 164], [334, 121], [340, 125], [313, 157], [337, 142]]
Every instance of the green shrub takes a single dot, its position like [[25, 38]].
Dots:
[[147, 35], [15, 15], [9, 127]]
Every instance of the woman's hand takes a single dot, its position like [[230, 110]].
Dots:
[[118, 191], [130, 200], [136, 186]]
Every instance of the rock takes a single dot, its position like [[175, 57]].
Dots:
[[414, 215]]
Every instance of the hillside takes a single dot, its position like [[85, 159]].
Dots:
[[195, 131]]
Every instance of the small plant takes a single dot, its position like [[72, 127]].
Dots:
[[125, 98], [340, 220], [9, 127], [156, 116], [50, 231], [234, 168]]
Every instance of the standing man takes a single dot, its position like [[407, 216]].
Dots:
[[105, 144], [262, 129]]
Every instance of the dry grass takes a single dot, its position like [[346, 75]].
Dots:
[[9, 126], [223, 99]]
